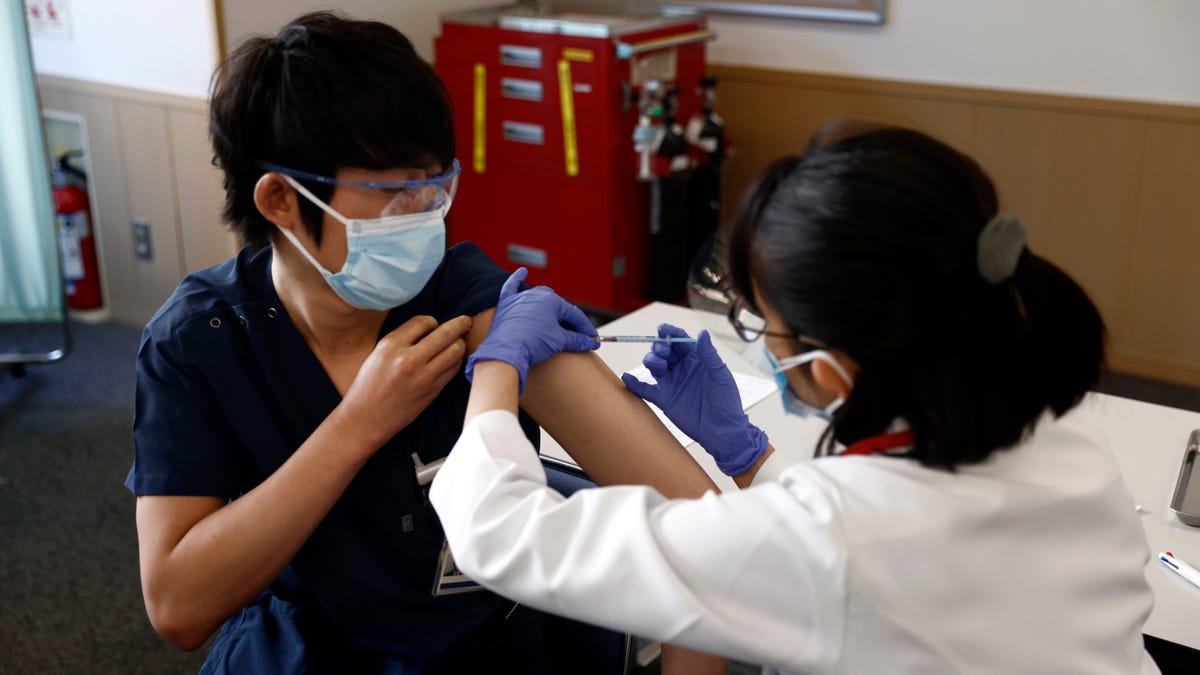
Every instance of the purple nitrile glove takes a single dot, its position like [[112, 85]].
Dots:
[[528, 328], [697, 392]]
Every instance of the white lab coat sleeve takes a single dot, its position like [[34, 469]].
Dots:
[[748, 574]]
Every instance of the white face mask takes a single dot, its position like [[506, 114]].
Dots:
[[388, 259], [793, 404]]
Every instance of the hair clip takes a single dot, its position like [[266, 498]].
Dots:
[[1001, 243]]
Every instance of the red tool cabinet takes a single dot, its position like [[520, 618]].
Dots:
[[545, 106]]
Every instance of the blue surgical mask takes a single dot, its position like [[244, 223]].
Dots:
[[388, 259], [793, 404]]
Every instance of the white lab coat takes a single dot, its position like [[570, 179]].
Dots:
[[1031, 562]]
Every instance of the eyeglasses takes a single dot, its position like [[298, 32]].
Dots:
[[749, 324], [407, 196]]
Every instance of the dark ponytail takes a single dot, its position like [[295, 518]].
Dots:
[[869, 243], [1066, 332]]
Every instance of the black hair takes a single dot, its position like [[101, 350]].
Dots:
[[324, 93], [867, 242]]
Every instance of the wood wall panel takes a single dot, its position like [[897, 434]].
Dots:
[[150, 186], [1107, 188], [1092, 222], [950, 121], [1014, 147], [1166, 262], [789, 117], [783, 126], [205, 240], [55, 99]]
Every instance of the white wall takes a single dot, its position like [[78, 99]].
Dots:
[[1146, 50], [417, 19], [169, 47]]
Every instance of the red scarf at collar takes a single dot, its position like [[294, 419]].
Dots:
[[881, 443]]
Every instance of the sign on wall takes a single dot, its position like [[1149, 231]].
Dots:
[[48, 18]]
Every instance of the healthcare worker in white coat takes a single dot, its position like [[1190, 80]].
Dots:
[[960, 516]]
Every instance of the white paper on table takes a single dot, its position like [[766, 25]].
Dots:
[[751, 389]]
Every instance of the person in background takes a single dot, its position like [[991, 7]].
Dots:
[[960, 517], [286, 397]]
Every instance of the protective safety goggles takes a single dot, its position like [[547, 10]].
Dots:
[[407, 196], [748, 323]]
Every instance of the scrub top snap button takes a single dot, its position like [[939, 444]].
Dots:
[[272, 312], [214, 322]]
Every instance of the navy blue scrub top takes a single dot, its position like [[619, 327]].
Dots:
[[227, 389]]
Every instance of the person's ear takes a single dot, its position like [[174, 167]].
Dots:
[[276, 201], [828, 378]]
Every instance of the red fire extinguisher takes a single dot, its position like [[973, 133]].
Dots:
[[76, 238]]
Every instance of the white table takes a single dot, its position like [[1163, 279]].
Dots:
[[1148, 441]]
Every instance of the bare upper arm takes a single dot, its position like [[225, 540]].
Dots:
[[607, 430], [163, 521], [480, 323]]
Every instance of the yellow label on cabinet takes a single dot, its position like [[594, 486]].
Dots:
[[576, 54], [480, 149], [567, 97]]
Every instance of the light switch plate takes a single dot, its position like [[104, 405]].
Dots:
[[142, 247]]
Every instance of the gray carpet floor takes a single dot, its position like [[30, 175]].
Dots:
[[70, 600], [68, 546]]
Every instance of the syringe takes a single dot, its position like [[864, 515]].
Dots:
[[642, 338]]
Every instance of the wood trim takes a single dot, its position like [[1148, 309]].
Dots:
[[120, 93], [219, 17], [957, 94]]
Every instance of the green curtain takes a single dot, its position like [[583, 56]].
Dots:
[[31, 286]]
